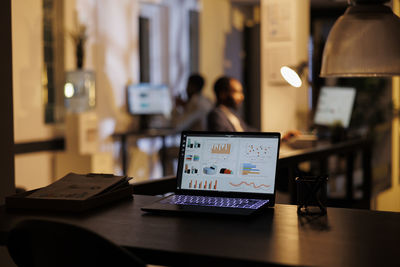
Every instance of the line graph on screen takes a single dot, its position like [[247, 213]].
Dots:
[[251, 184]]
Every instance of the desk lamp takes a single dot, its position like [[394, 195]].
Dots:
[[363, 42], [293, 74]]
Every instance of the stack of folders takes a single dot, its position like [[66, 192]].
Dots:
[[74, 193]]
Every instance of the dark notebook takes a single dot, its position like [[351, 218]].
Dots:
[[224, 173], [74, 193]]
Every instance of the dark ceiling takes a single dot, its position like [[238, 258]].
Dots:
[[319, 4], [319, 8], [328, 4]]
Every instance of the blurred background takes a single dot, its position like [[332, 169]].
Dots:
[[75, 62]]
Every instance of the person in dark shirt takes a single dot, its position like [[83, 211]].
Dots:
[[192, 114], [224, 117]]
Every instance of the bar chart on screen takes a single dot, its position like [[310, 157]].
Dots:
[[190, 169], [250, 169], [203, 184], [193, 144], [221, 149]]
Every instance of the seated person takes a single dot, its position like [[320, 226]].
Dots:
[[224, 117], [192, 114], [188, 115]]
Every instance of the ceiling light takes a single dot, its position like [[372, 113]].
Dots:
[[363, 42]]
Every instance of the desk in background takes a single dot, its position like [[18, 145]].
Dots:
[[151, 133], [345, 237], [291, 159], [320, 153]]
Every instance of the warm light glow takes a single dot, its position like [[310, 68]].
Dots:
[[69, 90], [291, 76]]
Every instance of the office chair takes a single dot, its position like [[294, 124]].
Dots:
[[48, 243]]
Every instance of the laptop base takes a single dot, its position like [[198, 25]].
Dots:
[[179, 209], [162, 206]]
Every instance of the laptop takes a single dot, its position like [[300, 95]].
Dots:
[[223, 173]]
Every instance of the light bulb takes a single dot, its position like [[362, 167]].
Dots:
[[291, 76], [69, 90]]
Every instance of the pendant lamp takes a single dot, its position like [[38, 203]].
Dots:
[[363, 42]]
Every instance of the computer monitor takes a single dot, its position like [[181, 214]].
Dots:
[[149, 99], [335, 105]]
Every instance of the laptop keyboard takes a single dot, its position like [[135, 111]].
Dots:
[[222, 202]]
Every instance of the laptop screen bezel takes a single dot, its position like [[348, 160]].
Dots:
[[182, 149]]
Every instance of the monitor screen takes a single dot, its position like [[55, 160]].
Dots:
[[244, 163], [147, 98], [335, 105]]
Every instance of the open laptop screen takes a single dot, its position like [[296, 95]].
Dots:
[[228, 162], [335, 105]]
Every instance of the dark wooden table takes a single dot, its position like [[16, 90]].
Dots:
[[345, 237]]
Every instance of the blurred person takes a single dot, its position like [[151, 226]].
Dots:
[[224, 117], [192, 114]]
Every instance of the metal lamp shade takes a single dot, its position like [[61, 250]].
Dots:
[[363, 42], [293, 74]]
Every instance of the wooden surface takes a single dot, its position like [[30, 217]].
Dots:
[[344, 237]]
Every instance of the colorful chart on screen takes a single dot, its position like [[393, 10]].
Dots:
[[230, 164]]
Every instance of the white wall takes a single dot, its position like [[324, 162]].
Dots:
[[215, 23], [27, 72], [28, 95], [284, 41]]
